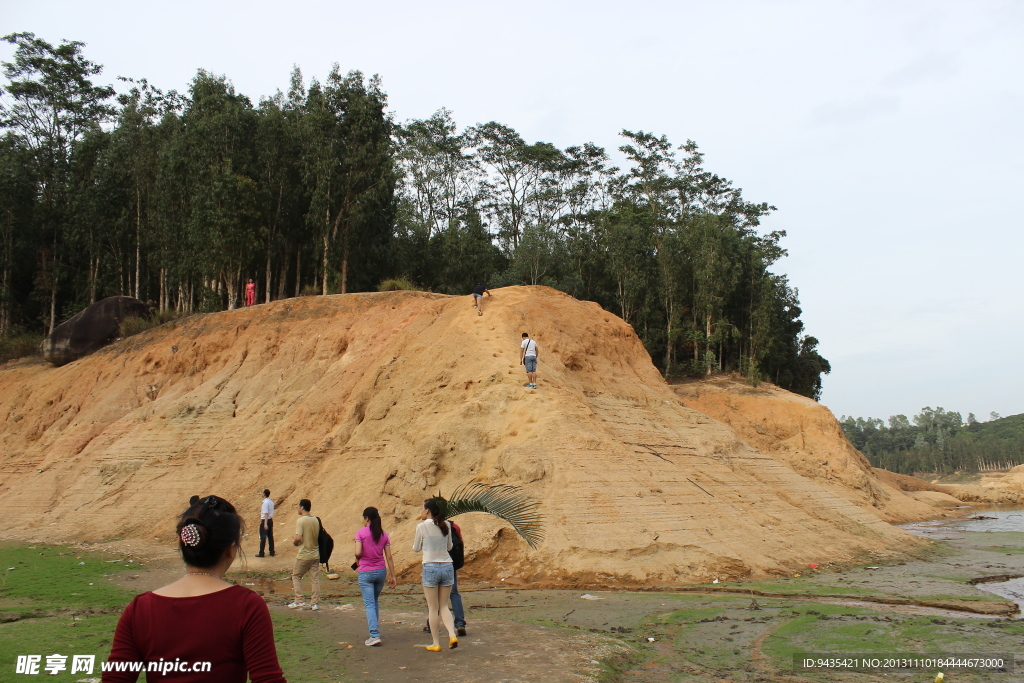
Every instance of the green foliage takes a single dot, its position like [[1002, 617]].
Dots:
[[509, 503], [395, 284], [19, 346], [938, 441], [132, 325]]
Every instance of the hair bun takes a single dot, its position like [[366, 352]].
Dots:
[[193, 535]]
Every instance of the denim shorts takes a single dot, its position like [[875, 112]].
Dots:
[[531, 363], [438, 574]]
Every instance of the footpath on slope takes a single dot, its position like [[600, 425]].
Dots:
[[386, 398]]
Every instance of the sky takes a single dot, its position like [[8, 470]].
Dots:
[[888, 134]]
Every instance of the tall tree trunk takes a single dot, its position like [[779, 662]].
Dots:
[[344, 270], [282, 276], [231, 286], [268, 278], [138, 237], [298, 271], [324, 265], [668, 336], [94, 273]]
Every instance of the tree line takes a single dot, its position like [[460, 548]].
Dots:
[[180, 198], [937, 441]]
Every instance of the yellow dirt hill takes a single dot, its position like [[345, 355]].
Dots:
[[384, 398]]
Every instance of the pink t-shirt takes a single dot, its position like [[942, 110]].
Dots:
[[373, 553]]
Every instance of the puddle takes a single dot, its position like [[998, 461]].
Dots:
[[980, 519], [1011, 590]]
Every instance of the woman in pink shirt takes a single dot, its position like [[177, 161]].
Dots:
[[373, 552]]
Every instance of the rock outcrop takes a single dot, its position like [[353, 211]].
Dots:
[[385, 398], [92, 328]]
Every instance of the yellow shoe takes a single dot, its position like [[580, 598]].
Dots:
[[453, 643], [434, 648]]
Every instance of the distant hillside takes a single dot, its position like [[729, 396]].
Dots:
[[938, 441]]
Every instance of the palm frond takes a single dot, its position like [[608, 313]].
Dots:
[[509, 503]]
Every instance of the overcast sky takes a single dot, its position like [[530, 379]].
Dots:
[[888, 134]]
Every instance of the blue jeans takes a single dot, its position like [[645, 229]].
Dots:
[[457, 610], [370, 585]]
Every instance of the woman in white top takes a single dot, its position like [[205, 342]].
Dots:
[[434, 538]]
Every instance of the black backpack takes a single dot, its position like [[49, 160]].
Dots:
[[458, 551], [326, 543]]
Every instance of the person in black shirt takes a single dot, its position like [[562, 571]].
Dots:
[[478, 297]]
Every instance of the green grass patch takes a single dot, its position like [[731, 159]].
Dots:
[[55, 599], [48, 577], [307, 653]]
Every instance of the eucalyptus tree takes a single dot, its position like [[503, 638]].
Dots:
[[53, 104], [653, 186], [278, 146], [219, 127], [350, 173], [516, 169], [17, 199]]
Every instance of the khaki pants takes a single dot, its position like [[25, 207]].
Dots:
[[300, 569]]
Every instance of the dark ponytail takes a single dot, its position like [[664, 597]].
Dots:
[[207, 529], [375, 527], [434, 508]]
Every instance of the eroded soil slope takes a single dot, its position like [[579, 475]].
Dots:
[[806, 436], [382, 399]]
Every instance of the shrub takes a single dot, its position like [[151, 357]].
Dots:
[[19, 345], [395, 284], [133, 325]]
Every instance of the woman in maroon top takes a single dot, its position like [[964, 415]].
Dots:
[[199, 629]]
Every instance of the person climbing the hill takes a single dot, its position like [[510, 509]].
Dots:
[[307, 530], [528, 357], [266, 524], [434, 539], [250, 293], [478, 297], [373, 551], [200, 617]]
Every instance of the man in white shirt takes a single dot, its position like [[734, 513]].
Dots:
[[528, 357], [266, 523]]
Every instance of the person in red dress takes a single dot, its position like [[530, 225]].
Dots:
[[250, 293], [209, 630]]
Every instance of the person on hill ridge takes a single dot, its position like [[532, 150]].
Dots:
[[373, 552], [478, 297], [528, 357], [266, 524], [250, 293], [307, 530], [434, 539], [200, 617]]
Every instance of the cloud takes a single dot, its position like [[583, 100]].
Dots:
[[932, 67], [855, 111]]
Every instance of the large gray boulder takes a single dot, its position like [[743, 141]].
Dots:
[[93, 328]]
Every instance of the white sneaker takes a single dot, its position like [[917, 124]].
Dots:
[[371, 641], [297, 605], [315, 608]]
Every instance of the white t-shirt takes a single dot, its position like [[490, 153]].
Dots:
[[530, 346], [434, 544], [267, 511]]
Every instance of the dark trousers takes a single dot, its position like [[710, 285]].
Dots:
[[267, 535]]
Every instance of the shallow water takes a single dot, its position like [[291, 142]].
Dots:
[[1001, 519], [1004, 519]]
